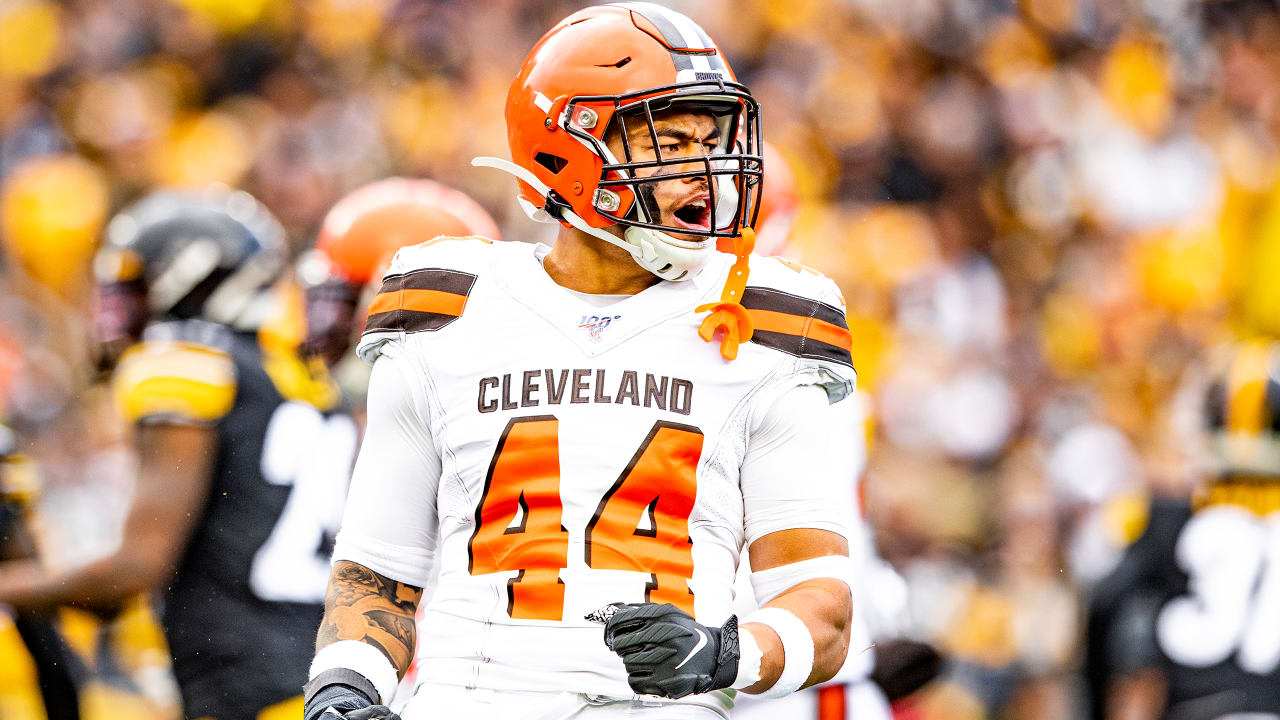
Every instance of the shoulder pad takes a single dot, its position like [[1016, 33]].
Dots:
[[299, 380], [425, 289], [174, 380], [469, 253], [19, 481], [799, 311]]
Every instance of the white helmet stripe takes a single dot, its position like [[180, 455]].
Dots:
[[716, 61]]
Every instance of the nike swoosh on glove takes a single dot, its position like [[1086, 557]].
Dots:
[[373, 712], [668, 653]]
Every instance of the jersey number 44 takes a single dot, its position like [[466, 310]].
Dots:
[[641, 523]]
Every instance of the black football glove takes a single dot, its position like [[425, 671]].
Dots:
[[904, 666], [342, 695], [668, 653]]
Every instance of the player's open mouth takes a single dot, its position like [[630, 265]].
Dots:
[[694, 214]]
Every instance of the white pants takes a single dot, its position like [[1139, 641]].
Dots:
[[433, 702]]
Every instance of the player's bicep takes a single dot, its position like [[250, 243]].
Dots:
[[800, 467], [389, 524]]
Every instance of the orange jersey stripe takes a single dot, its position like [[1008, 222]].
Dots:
[[820, 330], [432, 301]]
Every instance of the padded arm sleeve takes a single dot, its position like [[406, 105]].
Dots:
[[799, 467], [390, 521]]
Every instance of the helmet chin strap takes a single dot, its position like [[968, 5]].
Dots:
[[652, 250]]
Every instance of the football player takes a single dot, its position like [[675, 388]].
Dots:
[[356, 242], [1188, 623], [241, 471], [550, 429]]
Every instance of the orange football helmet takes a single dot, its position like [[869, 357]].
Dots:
[[355, 244], [610, 67]]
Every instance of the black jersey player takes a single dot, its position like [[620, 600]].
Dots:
[[242, 466], [1187, 626]]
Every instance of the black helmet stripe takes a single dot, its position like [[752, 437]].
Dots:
[[1273, 403]]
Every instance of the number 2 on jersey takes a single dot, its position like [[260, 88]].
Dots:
[[641, 523]]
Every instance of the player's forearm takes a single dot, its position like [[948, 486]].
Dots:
[[371, 608], [825, 607], [1137, 696], [101, 585]]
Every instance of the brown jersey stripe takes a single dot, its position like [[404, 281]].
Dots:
[[450, 281], [801, 346], [407, 321], [760, 298], [426, 299], [798, 325]]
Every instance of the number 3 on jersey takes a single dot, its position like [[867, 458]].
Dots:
[[1232, 561], [641, 523]]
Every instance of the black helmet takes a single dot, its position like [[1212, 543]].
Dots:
[[211, 254]]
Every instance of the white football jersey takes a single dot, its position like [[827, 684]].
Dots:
[[587, 455]]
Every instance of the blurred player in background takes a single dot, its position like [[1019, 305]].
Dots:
[[242, 471], [356, 242], [639, 461], [1187, 627]]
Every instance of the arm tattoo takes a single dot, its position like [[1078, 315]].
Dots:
[[363, 605]]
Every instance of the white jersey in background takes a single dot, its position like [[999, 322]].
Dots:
[[547, 456]]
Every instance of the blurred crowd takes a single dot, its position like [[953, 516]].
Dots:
[[1041, 213]]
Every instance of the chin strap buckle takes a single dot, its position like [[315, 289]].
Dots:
[[728, 316], [555, 206]]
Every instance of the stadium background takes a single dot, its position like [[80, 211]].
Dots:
[[1041, 212]]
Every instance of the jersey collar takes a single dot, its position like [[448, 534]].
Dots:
[[520, 273]]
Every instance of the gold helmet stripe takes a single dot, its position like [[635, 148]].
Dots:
[[1247, 389]]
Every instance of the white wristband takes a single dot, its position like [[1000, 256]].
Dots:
[[749, 657], [362, 658], [797, 648]]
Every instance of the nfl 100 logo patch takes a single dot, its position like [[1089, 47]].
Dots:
[[595, 325]]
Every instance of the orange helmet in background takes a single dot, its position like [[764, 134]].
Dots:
[[367, 226], [613, 67], [779, 200], [357, 239]]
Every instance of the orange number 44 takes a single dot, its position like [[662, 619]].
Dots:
[[641, 523]]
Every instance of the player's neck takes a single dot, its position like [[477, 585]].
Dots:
[[590, 265]]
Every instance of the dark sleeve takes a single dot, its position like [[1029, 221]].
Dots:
[[1121, 610]]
